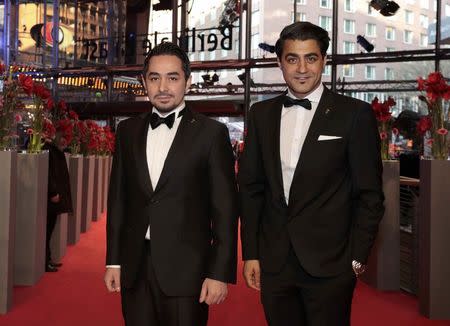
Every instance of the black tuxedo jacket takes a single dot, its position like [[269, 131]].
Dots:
[[335, 200], [192, 211], [58, 181]]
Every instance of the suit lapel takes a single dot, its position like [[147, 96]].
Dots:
[[274, 140], [140, 153], [183, 137], [318, 123]]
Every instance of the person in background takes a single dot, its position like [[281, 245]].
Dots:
[[59, 195]]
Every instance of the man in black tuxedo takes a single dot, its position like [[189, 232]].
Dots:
[[310, 189], [59, 198], [172, 204]]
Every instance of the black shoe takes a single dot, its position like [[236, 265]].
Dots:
[[50, 268], [55, 264]]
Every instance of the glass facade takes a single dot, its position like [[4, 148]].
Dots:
[[92, 51]]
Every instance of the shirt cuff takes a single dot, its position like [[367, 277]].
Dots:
[[112, 266]]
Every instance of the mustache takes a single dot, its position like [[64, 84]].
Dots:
[[163, 95]]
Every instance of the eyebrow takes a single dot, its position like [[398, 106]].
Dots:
[[174, 73], [297, 56]]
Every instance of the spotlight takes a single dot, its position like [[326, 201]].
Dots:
[[206, 78], [364, 43], [267, 47], [242, 79], [162, 5], [215, 78], [385, 7], [230, 13]]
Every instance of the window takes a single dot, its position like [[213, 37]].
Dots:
[[348, 70], [389, 74], [423, 21], [370, 72], [325, 4], [301, 2], [389, 49], [447, 10], [255, 18], [301, 17], [349, 47], [255, 41], [408, 37], [390, 33], [424, 40], [371, 30], [409, 17], [326, 70], [349, 6], [368, 97], [349, 26], [330, 48], [425, 4], [325, 22]]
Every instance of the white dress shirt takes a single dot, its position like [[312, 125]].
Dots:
[[295, 123], [159, 141]]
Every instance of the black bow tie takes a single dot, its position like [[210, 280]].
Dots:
[[289, 101], [156, 120]]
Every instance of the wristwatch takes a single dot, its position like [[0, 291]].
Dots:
[[358, 268]]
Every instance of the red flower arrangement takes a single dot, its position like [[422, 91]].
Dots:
[[64, 125], [437, 90], [41, 126], [383, 115], [10, 106]]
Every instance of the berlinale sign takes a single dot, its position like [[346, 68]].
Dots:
[[193, 40]]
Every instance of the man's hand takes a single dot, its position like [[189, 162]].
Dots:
[[55, 199], [252, 274], [213, 292], [112, 279]]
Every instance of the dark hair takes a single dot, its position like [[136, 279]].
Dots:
[[303, 31], [169, 48]]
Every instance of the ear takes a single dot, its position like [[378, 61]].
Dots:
[[324, 61], [188, 83], [279, 63], [144, 84]]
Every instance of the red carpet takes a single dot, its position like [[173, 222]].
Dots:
[[76, 296]]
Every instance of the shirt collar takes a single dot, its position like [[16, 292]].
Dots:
[[313, 97], [176, 110]]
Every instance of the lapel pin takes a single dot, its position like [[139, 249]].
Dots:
[[327, 111]]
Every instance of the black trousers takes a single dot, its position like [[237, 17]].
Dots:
[[292, 297], [51, 222], [146, 305]]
